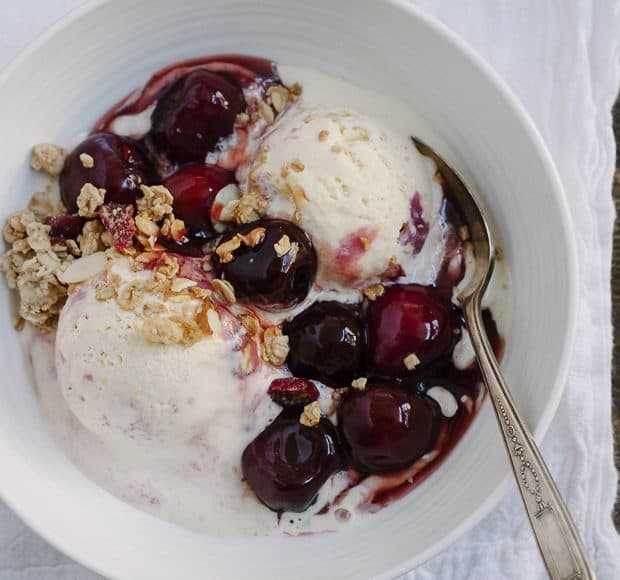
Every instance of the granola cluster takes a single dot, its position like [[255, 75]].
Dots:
[[155, 217], [245, 209], [38, 255], [48, 158], [174, 309], [51, 252], [225, 250], [275, 346], [33, 263]]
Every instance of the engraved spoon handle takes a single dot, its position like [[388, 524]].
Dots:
[[557, 538]]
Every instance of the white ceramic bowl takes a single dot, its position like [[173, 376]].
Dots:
[[62, 83]]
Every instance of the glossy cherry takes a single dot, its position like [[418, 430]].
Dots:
[[327, 342], [408, 319], [191, 247], [119, 167], [287, 463], [193, 114], [261, 276], [386, 427], [194, 188]]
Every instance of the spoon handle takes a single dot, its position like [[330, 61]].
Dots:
[[555, 532]]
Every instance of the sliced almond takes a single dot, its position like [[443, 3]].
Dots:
[[282, 246], [253, 238], [226, 249], [83, 268], [180, 284], [224, 289]]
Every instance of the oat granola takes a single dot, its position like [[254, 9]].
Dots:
[[224, 290], [90, 200], [249, 208], [275, 346], [411, 361], [48, 158], [155, 203], [311, 415]]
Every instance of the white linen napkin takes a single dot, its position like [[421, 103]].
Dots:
[[561, 57]]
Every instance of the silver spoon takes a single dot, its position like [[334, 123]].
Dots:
[[557, 538]]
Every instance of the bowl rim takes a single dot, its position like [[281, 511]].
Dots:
[[21, 508]]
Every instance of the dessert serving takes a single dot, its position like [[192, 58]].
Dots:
[[237, 293]]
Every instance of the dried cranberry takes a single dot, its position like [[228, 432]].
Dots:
[[64, 227], [386, 427], [292, 391], [117, 218], [118, 166], [194, 188], [287, 463]]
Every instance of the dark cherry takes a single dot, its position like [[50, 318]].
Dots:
[[64, 227], [194, 188], [193, 114], [292, 391], [186, 246], [327, 342], [408, 319], [119, 168], [287, 463], [386, 427], [262, 277]]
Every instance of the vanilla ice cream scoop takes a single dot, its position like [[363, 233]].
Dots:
[[118, 383], [359, 189]]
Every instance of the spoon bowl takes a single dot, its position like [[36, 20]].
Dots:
[[480, 235]]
